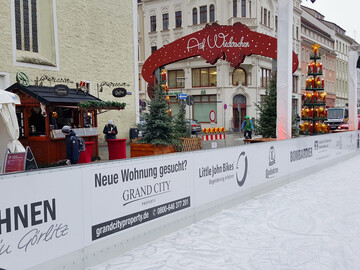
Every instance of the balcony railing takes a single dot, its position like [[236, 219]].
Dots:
[[250, 22]]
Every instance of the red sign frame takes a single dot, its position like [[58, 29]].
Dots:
[[212, 112], [230, 43]]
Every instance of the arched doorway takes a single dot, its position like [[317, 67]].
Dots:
[[239, 111]]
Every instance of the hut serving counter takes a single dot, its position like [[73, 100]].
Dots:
[[43, 112]]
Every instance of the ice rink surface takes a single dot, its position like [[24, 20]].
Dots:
[[310, 224]]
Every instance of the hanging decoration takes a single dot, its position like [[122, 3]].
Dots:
[[43, 109], [231, 43]]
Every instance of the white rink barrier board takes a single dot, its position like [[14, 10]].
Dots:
[[74, 217]]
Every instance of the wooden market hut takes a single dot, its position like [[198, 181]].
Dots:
[[44, 110]]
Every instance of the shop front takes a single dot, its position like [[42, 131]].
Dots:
[[44, 111]]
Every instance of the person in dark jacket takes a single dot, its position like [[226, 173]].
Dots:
[[72, 145], [110, 130]]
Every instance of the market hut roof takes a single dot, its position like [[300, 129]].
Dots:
[[47, 94]]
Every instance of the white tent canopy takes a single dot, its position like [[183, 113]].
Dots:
[[9, 128]]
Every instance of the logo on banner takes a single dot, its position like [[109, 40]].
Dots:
[[270, 172], [241, 169], [142, 192], [322, 145], [352, 143], [301, 154], [339, 143], [272, 156], [316, 145]]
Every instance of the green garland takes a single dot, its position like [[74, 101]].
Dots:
[[95, 104]]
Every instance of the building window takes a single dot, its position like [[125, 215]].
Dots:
[[265, 77], [202, 77], [249, 9], [174, 81], [234, 8], [18, 25], [153, 49], [26, 25], [261, 16], [178, 19], [265, 16], [174, 106], [32, 18], [152, 23], [297, 33], [295, 84], [276, 23], [239, 77], [212, 13], [165, 17], [203, 14], [203, 105], [262, 99], [195, 16], [243, 8], [268, 19]]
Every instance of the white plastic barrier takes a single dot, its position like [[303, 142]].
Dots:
[[74, 217]]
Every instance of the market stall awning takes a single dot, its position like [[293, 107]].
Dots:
[[50, 95]]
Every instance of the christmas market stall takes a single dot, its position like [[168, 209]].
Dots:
[[45, 110]]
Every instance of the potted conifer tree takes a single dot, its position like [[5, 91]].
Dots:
[[158, 133]]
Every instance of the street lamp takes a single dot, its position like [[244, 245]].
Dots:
[[181, 82]]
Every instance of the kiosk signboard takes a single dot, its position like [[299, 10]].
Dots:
[[20, 161], [15, 162]]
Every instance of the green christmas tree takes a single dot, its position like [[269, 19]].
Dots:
[[180, 129], [158, 128], [266, 125]]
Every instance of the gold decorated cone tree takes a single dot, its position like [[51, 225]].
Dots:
[[314, 112]]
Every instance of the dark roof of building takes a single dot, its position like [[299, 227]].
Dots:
[[47, 95]]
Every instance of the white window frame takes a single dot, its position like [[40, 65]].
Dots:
[[56, 45]]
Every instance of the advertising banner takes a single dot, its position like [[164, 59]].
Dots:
[[223, 172], [316, 150], [41, 217], [128, 194], [227, 171], [48, 214]]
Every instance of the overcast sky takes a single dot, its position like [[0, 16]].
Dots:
[[345, 13]]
